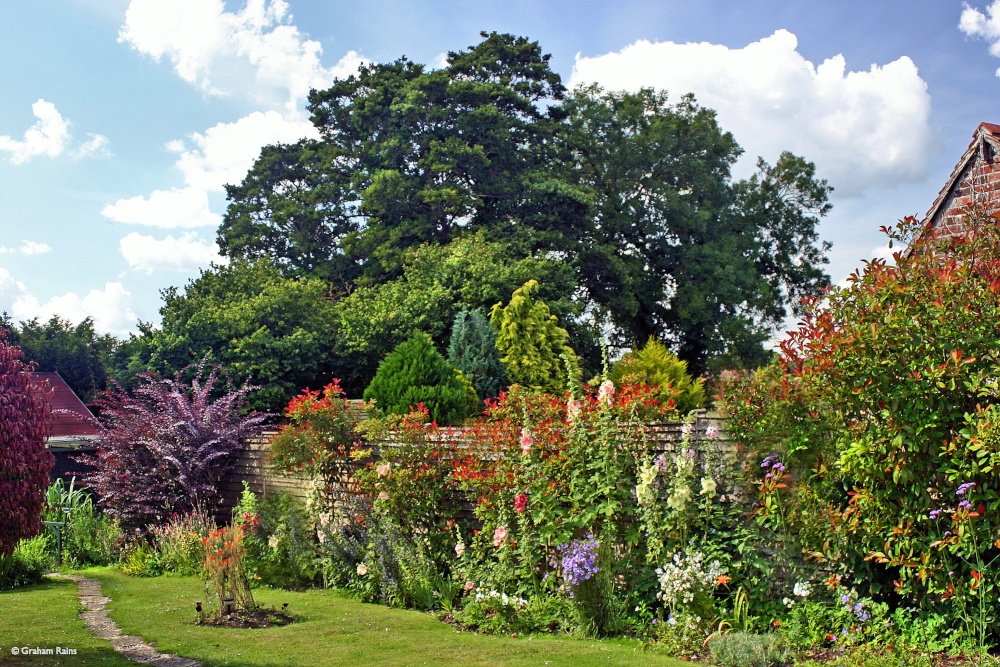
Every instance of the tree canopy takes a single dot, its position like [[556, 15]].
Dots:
[[76, 352], [259, 326], [631, 192]]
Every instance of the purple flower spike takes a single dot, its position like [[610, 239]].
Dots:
[[964, 487], [965, 504], [934, 514]]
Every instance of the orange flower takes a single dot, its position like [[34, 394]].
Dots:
[[723, 580], [975, 580]]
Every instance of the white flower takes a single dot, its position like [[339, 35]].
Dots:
[[362, 569], [273, 541], [802, 589], [788, 603], [459, 549], [708, 487]]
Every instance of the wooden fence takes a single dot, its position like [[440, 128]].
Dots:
[[251, 464]]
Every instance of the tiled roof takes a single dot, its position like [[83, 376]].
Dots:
[[70, 417]]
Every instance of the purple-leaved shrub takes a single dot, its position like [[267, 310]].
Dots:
[[167, 444]]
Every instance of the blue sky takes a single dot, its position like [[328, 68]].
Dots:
[[121, 120]]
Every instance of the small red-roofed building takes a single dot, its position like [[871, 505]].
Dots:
[[974, 184], [72, 427]]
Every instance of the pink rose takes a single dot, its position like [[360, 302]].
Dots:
[[499, 535]]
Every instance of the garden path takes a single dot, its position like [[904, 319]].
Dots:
[[100, 625]]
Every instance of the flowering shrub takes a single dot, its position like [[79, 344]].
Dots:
[[318, 440], [223, 565], [687, 582], [179, 541], [882, 407]]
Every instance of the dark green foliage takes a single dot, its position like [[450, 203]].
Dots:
[[77, 353], [473, 350], [655, 365], [261, 327], [666, 244], [416, 373], [631, 193]]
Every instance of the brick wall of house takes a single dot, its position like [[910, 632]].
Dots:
[[973, 184]]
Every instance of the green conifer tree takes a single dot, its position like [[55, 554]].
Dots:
[[415, 373], [533, 347], [473, 350]]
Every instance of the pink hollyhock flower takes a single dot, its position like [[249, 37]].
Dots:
[[606, 392], [712, 432], [521, 503], [499, 535], [526, 441], [469, 585], [383, 495], [573, 408], [384, 469], [362, 569]]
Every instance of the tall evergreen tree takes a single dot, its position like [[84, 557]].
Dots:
[[533, 347], [473, 350]]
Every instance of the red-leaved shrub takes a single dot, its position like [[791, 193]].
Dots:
[[24, 462]]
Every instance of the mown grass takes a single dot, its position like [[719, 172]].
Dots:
[[333, 630], [47, 616]]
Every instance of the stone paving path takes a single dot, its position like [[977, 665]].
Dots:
[[101, 626]]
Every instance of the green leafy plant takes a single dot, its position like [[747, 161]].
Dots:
[[32, 558], [278, 538], [179, 541], [744, 649]]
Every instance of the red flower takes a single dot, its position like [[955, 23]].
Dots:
[[521, 503]]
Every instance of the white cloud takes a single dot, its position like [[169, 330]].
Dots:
[[256, 51], [225, 152], [862, 129], [96, 145], [975, 23], [110, 308], [50, 137], [177, 207], [10, 289], [187, 253], [27, 248]]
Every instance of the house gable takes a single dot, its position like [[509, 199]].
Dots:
[[973, 183]]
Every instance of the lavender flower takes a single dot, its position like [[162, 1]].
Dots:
[[935, 514], [965, 504], [963, 488], [769, 460]]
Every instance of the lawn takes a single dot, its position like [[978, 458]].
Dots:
[[330, 630], [47, 616]]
